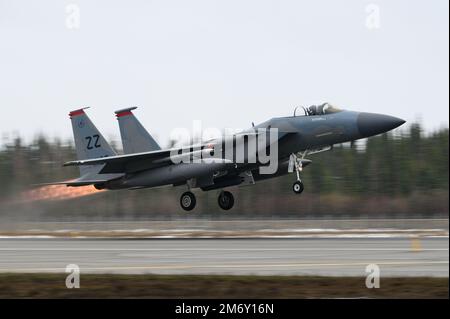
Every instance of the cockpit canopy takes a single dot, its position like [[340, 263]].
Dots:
[[323, 109]]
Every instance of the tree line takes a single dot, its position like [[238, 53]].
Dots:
[[401, 174]]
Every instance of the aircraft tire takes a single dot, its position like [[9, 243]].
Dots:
[[188, 201], [298, 187], [226, 200]]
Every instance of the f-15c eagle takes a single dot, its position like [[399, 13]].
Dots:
[[209, 165]]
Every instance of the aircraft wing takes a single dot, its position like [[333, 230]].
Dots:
[[132, 163]]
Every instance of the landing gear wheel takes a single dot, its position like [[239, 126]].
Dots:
[[226, 200], [188, 201], [298, 187]]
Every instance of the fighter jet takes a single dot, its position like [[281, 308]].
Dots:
[[208, 165]]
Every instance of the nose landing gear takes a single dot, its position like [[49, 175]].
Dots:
[[298, 187]]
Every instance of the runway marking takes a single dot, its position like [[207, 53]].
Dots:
[[286, 220], [219, 249], [227, 266]]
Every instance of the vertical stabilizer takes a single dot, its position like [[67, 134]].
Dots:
[[89, 142], [135, 138]]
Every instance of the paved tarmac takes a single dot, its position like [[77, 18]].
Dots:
[[334, 257]]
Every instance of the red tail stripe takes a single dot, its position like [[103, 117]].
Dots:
[[75, 113], [126, 113]]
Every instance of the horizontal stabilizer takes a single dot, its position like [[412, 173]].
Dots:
[[90, 179], [72, 183]]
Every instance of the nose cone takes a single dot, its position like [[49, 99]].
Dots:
[[370, 124]]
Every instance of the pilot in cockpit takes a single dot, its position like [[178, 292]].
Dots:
[[312, 110], [322, 109]]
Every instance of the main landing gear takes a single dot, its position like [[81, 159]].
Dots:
[[188, 201], [225, 201]]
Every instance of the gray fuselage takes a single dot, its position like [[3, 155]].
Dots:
[[295, 134]]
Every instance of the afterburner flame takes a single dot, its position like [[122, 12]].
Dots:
[[59, 192]]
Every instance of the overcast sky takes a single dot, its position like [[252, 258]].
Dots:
[[227, 63]]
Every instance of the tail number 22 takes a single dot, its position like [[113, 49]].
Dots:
[[93, 142]]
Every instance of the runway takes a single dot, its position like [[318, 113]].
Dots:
[[396, 257]]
